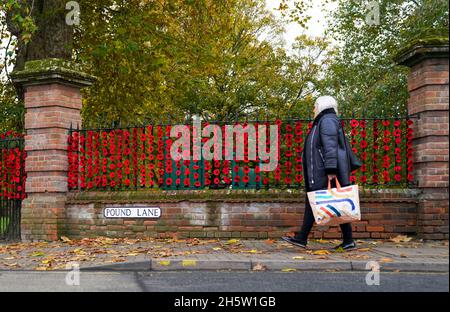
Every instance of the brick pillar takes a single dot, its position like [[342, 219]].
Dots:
[[428, 88], [52, 103]]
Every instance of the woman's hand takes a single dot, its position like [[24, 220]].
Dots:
[[331, 176]]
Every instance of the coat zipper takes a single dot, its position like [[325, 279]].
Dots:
[[323, 159], [312, 163]]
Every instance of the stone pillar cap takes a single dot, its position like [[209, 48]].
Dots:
[[421, 50], [47, 71]]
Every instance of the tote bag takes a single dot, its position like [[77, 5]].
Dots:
[[335, 205]]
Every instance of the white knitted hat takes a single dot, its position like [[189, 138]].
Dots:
[[324, 102]]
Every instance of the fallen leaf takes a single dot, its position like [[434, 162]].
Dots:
[[232, 241], [339, 250], [403, 255], [400, 239], [46, 261], [269, 241], [259, 267], [364, 249], [131, 254], [66, 239], [188, 262], [298, 258], [79, 251], [217, 248], [288, 270], [250, 251], [38, 254], [386, 260], [321, 252], [164, 262]]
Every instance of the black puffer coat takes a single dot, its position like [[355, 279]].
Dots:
[[325, 153]]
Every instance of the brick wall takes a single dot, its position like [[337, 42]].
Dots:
[[385, 213]]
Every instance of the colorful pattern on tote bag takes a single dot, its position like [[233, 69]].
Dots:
[[335, 205]]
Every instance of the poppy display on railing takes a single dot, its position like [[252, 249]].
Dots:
[[142, 156], [12, 163]]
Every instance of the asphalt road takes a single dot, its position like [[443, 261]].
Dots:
[[221, 281]]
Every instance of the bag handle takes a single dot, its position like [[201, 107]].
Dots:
[[338, 185]]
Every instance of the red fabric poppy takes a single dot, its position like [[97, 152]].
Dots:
[[363, 144], [354, 123], [363, 155]]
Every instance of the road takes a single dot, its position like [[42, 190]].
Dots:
[[220, 281]]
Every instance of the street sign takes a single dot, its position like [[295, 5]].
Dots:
[[132, 212]]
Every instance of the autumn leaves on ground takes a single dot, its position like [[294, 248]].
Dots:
[[92, 252]]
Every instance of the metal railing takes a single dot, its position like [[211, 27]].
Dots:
[[138, 157], [12, 184]]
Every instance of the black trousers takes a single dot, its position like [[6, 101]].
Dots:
[[308, 222]]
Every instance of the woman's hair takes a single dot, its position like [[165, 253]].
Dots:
[[324, 102]]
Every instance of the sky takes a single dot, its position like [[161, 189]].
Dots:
[[316, 25]]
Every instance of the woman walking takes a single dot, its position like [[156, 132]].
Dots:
[[324, 158]]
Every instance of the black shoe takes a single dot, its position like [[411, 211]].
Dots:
[[294, 241], [346, 246]]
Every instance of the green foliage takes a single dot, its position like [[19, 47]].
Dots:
[[363, 74], [225, 58], [11, 110], [208, 57]]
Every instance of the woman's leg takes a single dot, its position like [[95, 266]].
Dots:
[[308, 222], [346, 230]]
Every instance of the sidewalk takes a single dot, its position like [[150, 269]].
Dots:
[[399, 254]]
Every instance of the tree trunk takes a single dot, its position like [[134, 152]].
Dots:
[[53, 38]]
